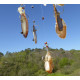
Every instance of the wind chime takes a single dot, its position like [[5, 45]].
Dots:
[[24, 21], [60, 24], [48, 61]]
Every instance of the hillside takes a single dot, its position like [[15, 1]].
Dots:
[[29, 63]]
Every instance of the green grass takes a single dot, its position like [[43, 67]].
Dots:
[[76, 73]]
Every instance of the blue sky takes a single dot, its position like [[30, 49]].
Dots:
[[10, 27]]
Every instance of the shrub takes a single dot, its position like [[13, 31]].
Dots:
[[63, 62]]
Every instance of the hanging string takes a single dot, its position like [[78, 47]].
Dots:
[[42, 12]]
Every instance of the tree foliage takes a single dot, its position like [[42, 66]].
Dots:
[[29, 62]]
